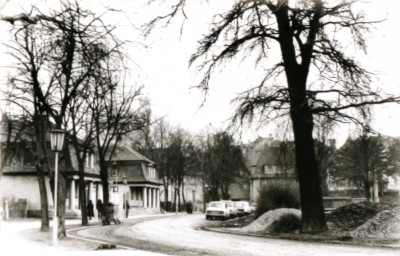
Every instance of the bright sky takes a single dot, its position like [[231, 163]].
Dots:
[[162, 66]]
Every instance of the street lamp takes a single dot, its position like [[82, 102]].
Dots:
[[56, 142]]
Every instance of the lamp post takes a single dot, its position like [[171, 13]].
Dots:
[[56, 141]]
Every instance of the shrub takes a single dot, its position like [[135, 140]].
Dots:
[[277, 194], [287, 224]]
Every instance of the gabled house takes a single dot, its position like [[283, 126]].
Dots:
[[268, 162], [135, 178]]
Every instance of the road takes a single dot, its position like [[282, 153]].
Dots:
[[180, 235]]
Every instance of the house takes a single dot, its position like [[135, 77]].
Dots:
[[133, 177], [268, 162]]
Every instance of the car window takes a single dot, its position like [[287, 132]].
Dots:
[[238, 204], [218, 205]]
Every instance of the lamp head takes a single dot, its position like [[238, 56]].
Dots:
[[57, 140]]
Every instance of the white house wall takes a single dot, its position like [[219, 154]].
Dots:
[[23, 187]]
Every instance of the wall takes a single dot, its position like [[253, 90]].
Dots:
[[23, 187]]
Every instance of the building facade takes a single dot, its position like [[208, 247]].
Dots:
[[133, 179]]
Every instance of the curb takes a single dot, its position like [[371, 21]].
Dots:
[[98, 224], [314, 240]]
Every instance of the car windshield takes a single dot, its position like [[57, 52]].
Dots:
[[217, 205]]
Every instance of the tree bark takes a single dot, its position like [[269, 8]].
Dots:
[[104, 180], [166, 208], [82, 194], [313, 215], [41, 162], [44, 217]]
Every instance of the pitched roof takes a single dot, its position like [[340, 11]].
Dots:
[[123, 153]]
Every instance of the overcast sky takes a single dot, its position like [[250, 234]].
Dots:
[[162, 66]]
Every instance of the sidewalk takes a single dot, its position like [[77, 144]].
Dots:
[[22, 236]]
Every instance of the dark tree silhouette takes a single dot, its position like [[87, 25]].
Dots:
[[305, 33], [365, 160], [55, 54]]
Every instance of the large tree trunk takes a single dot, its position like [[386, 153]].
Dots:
[[179, 199], [174, 205], [166, 193], [104, 180], [41, 163], [312, 208], [313, 216], [43, 200], [183, 193], [82, 194], [367, 191], [166, 208]]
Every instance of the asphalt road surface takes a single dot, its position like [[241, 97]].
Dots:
[[180, 235]]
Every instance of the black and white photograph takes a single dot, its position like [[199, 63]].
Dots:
[[200, 127]]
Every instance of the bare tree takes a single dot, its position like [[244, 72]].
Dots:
[[305, 32], [54, 57], [116, 111], [79, 123], [366, 160]]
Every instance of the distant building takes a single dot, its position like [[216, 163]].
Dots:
[[268, 162]]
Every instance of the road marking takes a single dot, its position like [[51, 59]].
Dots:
[[93, 240], [102, 242]]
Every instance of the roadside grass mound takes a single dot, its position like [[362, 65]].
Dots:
[[289, 223], [283, 220], [350, 217], [385, 224], [239, 221]]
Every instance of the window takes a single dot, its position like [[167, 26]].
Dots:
[[28, 157], [87, 160], [92, 161], [152, 172], [113, 172]]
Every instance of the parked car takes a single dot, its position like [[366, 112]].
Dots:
[[217, 210], [231, 206], [243, 208], [239, 208], [246, 207], [253, 207]]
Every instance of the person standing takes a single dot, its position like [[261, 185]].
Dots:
[[99, 206], [127, 207], [90, 210]]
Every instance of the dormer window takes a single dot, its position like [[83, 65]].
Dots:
[[152, 172], [89, 160]]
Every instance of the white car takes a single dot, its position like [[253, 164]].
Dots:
[[246, 207], [217, 210], [253, 207], [231, 206], [243, 208]]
